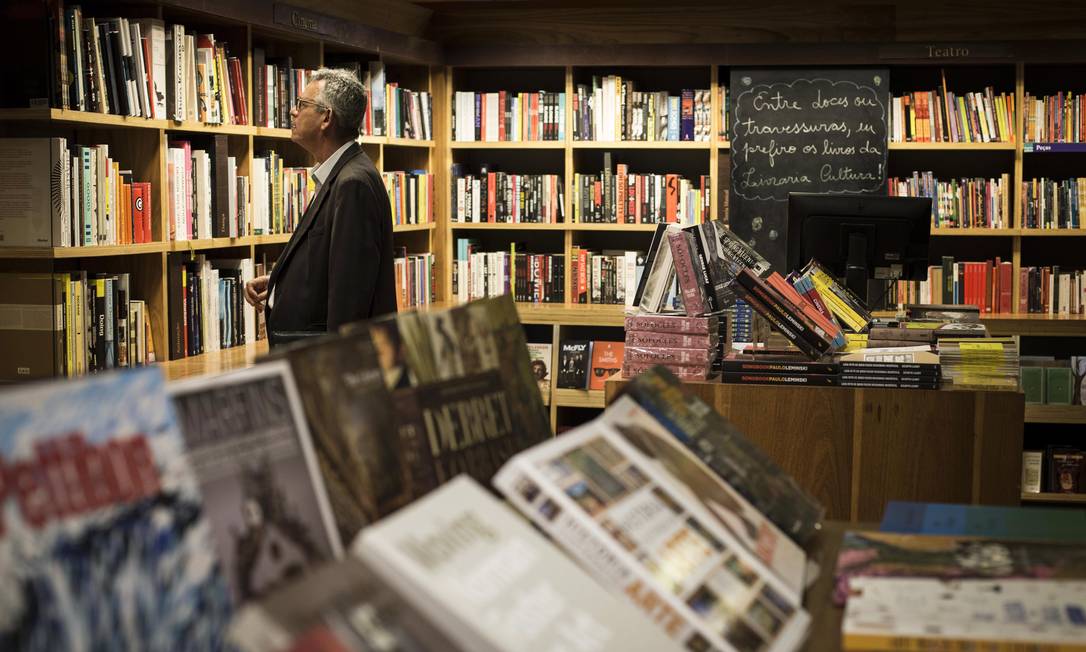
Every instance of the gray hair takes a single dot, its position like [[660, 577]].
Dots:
[[344, 95]]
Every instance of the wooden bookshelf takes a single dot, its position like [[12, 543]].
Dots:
[[578, 398], [411, 228], [515, 145], [1053, 498], [962, 147], [571, 314], [237, 357], [642, 144], [1072, 414], [505, 226], [973, 232], [1050, 233]]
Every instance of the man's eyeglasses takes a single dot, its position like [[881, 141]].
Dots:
[[302, 102]]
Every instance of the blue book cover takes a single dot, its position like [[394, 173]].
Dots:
[[103, 543], [1022, 523]]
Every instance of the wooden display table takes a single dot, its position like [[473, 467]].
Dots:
[[855, 449]]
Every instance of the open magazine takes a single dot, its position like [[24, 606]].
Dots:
[[614, 494]]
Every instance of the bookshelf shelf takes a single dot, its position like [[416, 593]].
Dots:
[[582, 398], [1078, 499], [407, 142], [520, 144], [1074, 414], [965, 147], [112, 250], [501, 226], [80, 117], [362, 140], [571, 314], [209, 243], [215, 362], [1040, 233], [203, 128], [275, 238], [271, 132], [589, 226], [410, 228], [643, 144], [974, 231]]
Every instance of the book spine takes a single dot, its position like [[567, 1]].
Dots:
[[674, 340], [673, 356], [689, 283], [820, 380], [669, 324]]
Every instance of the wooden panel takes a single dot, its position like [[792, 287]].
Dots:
[[916, 445], [1056, 414], [440, 240], [211, 363], [807, 431], [997, 429]]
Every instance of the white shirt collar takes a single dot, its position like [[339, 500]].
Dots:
[[320, 173]]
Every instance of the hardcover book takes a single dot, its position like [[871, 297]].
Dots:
[[248, 442], [97, 560], [491, 582], [606, 362], [656, 542]]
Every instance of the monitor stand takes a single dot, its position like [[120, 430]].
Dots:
[[856, 267]]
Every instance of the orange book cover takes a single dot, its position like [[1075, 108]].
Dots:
[[672, 199], [606, 361]]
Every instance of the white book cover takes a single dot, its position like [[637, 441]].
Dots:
[[490, 582], [154, 30], [29, 207], [491, 117], [247, 440], [232, 195], [136, 35], [646, 536]]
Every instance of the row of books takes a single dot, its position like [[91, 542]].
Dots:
[[280, 195], [142, 68], [1053, 204], [989, 363], [587, 364], [507, 198], [277, 84], [1046, 380], [506, 116], [611, 109], [411, 195], [414, 279], [973, 117], [71, 324], [1059, 118], [68, 195], [966, 202], [625, 198], [207, 308], [530, 278], [874, 367], [409, 114], [1056, 469], [207, 197], [374, 87], [989, 285], [608, 277]]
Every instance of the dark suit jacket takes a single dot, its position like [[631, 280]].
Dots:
[[337, 267]]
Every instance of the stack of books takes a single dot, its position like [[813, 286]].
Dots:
[[983, 363], [779, 367], [915, 368], [689, 347]]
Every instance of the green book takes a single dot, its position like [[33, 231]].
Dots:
[[1033, 384], [1059, 386]]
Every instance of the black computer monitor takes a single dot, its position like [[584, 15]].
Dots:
[[860, 237]]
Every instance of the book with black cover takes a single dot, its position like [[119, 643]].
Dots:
[[574, 358], [461, 391], [728, 452]]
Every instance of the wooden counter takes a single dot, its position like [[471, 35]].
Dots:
[[855, 449]]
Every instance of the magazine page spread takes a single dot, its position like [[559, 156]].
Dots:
[[757, 533], [639, 533]]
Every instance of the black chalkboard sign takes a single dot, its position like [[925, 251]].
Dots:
[[802, 131]]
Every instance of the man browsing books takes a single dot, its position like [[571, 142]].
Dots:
[[337, 267]]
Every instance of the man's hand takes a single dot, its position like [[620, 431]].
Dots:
[[256, 292]]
